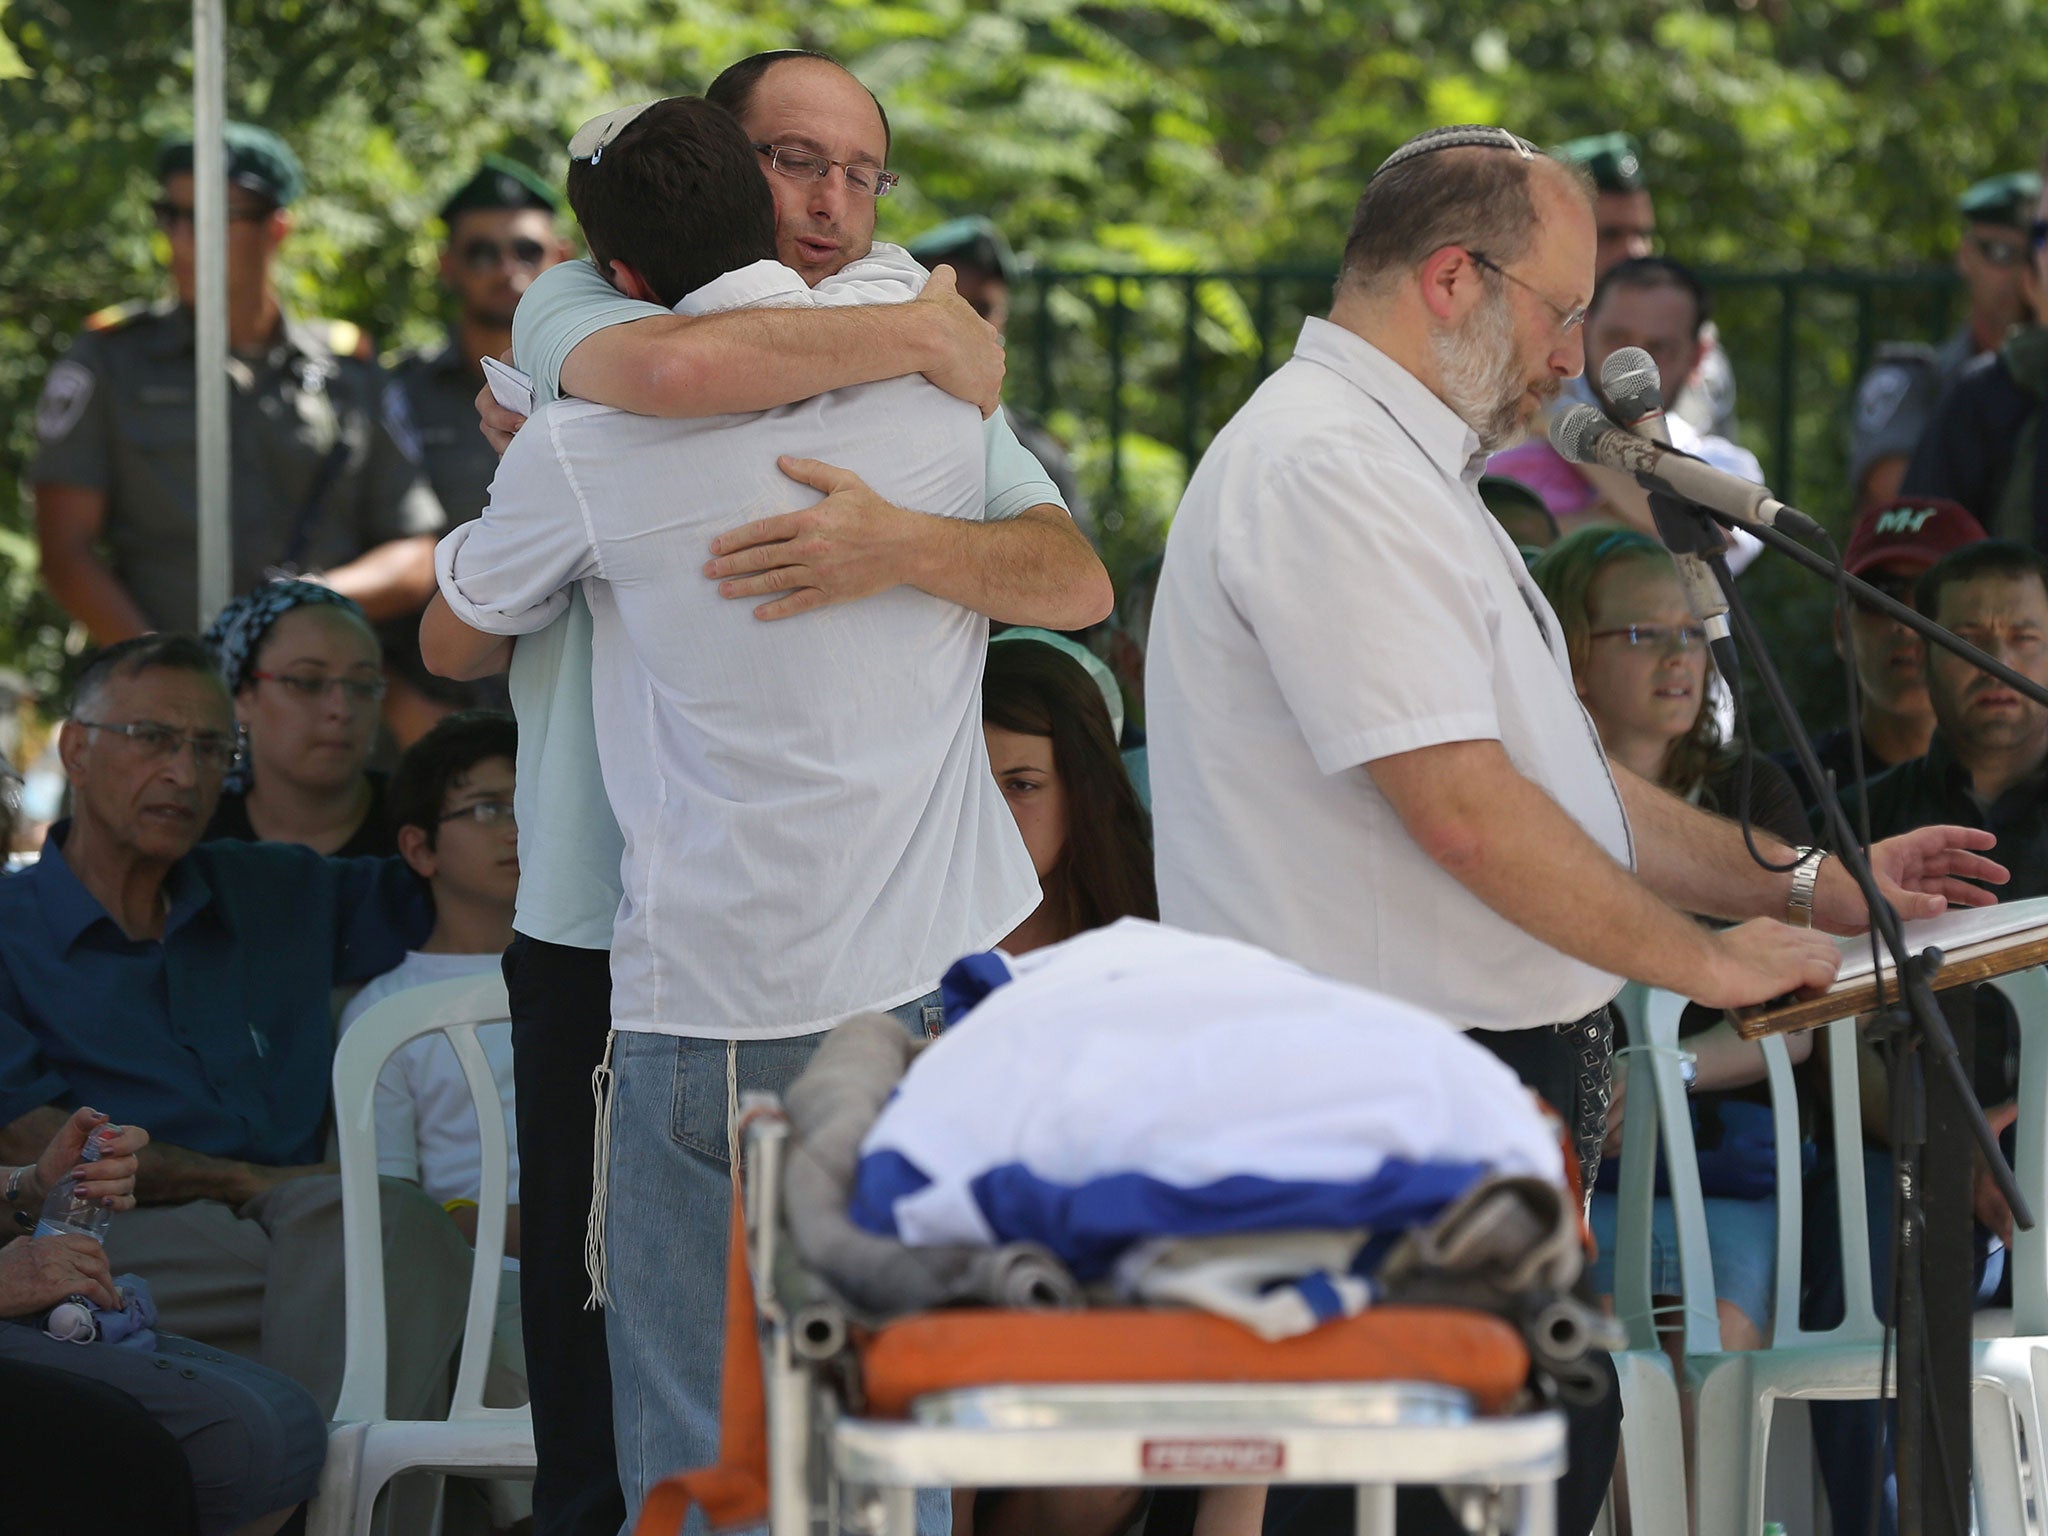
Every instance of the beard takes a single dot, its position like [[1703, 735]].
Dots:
[[1481, 375]]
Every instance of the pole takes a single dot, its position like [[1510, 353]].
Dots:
[[210, 302]]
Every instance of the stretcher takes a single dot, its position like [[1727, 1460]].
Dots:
[[829, 1425]]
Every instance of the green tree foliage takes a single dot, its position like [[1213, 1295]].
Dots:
[[1157, 134]]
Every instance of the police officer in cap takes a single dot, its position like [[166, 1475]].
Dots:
[[1625, 228], [325, 483], [986, 270], [1987, 446], [500, 235], [1896, 399]]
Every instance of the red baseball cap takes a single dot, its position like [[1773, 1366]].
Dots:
[[1912, 531]]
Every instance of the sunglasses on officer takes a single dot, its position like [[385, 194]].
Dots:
[[171, 217], [484, 253]]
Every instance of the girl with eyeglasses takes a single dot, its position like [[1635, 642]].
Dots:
[[1639, 660], [307, 675]]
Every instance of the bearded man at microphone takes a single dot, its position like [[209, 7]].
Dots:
[[1367, 752]]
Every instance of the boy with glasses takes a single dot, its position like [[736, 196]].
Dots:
[[451, 800]]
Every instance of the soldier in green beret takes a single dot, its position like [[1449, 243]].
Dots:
[[1895, 399], [324, 482], [1624, 220], [500, 235], [1625, 228]]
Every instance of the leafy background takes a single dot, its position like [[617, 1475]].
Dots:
[[1160, 135]]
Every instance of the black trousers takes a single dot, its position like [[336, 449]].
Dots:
[[561, 1012], [1568, 1066]]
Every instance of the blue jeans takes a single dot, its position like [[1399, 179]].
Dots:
[[667, 1214]]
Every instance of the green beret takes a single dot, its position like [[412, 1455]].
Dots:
[[2009, 200], [1613, 160], [500, 183], [972, 242], [258, 160]]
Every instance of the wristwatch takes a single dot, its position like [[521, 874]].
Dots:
[[14, 1183], [1805, 875]]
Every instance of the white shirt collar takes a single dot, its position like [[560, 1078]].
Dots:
[[1435, 428], [770, 282], [761, 282]]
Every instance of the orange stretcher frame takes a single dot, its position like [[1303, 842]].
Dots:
[[970, 1347]]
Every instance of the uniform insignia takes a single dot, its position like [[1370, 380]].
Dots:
[[66, 393], [1880, 396]]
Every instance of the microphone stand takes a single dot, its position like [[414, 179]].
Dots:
[[1915, 1016]]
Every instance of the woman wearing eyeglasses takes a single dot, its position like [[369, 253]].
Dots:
[[1639, 660], [307, 676]]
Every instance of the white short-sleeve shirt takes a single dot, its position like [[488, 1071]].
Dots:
[[811, 827], [1334, 592], [426, 1115], [570, 846]]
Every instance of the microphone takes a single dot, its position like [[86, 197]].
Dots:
[[1629, 381], [1583, 436], [1631, 384]]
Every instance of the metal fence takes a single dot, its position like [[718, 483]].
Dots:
[[1151, 364]]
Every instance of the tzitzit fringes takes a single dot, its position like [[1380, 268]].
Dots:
[[602, 1088]]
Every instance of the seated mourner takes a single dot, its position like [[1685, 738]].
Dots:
[[206, 1443], [188, 989]]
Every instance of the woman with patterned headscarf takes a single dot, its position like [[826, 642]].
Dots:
[[307, 676]]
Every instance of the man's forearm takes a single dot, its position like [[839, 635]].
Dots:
[[453, 649], [390, 581], [1518, 851], [169, 1175], [1696, 860], [93, 595], [1035, 568], [748, 360]]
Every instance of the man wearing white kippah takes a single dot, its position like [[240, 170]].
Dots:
[[1367, 753]]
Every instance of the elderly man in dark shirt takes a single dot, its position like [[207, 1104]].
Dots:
[[188, 989]]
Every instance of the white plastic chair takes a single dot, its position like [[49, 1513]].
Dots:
[[365, 1450], [1658, 1116], [1735, 1392], [2010, 1374]]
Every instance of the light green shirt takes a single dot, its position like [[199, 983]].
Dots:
[[569, 842]]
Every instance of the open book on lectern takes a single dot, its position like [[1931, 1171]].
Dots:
[[1976, 943]]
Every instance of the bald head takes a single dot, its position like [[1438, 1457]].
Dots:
[[1487, 199], [804, 102]]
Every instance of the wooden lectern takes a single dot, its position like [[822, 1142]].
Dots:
[[1976, 944]]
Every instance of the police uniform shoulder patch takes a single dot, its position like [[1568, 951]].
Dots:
[[1883, 390], [66, 394]]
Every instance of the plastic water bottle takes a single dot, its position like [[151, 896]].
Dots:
[[66, 1210]]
